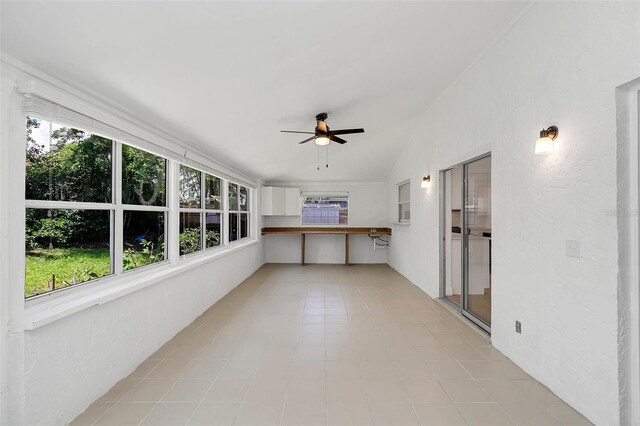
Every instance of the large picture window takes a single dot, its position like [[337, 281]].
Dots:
[[238, 212], [325, 209], [69, 207]]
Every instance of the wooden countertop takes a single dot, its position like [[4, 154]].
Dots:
[[327, 230]]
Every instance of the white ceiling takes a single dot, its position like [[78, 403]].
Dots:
[[226, 77]]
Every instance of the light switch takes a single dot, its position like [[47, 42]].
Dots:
[[573, 248]]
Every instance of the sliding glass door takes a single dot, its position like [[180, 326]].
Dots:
[[476, 241], [465, 238]]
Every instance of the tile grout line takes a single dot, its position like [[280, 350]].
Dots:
[[157, 402], [214, 380], [122, 396], [387, 319]]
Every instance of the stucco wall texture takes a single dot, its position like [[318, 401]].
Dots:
[[558, 65]]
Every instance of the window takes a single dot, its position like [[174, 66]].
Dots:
[[325, 209], [404, 202], [238, 212], [201, 210], [97, 207], [69, 210], [213, 211], [144, 208], [71, 214]]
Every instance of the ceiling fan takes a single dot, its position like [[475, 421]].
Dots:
[[323, 135]]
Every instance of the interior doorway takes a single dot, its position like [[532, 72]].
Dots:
[[466, 239]]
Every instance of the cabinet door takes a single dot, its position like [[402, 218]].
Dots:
[[278, 201], [292, 201], [267, 201]]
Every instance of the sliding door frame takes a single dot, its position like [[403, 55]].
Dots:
[[464, 297], [442, 183], [464, 241]]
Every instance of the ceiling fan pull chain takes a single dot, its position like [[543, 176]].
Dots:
[[327, 156], [318, 157]]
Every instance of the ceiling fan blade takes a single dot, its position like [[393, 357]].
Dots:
[[337, 139], [346, 131], [295, 131], [307, 140]]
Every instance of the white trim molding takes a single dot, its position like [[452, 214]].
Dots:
[[628, 221]]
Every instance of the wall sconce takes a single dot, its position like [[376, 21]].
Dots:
[[426, 181], [544, 144]]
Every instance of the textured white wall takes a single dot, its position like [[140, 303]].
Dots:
[[367, 207], [51, 374], [559, 65], [73, 361]]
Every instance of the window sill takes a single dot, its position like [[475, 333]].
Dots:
[[46, 312], [401, 224]]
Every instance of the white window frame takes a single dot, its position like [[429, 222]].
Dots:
[[203, 213], [401, 203], [116, 210], [238, 211], [121, 208]]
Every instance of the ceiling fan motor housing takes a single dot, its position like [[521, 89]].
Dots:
[[322, 116]]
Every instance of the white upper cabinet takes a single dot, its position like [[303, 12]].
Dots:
[[280, 201], [292, 202]]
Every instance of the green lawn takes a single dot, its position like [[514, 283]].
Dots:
[[70, 266]]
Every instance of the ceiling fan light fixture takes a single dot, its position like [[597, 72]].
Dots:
[[322, 140]]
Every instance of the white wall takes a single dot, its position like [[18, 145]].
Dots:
[[559, 65], [71, 362], [367, 207], [51, 374]]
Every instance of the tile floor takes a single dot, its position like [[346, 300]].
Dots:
[[328, 345]]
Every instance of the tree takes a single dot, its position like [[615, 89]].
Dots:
[[143, 178], [76, 167]]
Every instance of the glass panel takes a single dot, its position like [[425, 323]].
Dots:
[[143, 177], [66, 164], [65, 247], [143, 235], [404, 212], [190, 187], [190, 234], [244, 199], [477, 234], [233, 196], [213, 228], [244, 225], [326, 210], [233, 226], [212, 192], [404, 193]]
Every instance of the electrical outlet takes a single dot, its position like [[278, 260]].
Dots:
[[573, 248], [518, 327]]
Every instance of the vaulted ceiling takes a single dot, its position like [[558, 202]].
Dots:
[[226, 77]]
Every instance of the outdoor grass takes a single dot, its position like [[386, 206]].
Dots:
[[65, 263]]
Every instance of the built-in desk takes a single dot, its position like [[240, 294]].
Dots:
[[304, 230]]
